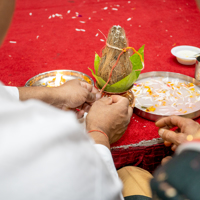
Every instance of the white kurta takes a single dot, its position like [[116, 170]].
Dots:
[[46, 155]]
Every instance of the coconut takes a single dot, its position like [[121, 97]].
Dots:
[[117, 39], [117, 70]]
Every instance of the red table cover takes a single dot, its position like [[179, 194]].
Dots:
[[48, 35]]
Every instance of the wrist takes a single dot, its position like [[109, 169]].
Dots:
[[100, 137], [44, 94], [61, 96]]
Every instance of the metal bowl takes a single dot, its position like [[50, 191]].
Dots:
[[43, 78], [190, 59], [155, 117]]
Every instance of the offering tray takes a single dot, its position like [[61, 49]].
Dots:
[[48, 79], [161, 94]]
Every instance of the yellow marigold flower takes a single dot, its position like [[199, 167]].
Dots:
[[150, 109]]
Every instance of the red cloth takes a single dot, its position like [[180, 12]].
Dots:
[[145, 157], [44, 43]]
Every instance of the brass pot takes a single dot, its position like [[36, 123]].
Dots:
[[128, 94]]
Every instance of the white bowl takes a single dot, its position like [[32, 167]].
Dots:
[[185, 54]]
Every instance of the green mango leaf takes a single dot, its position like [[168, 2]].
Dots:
[[120, 86], [126, 82], [96, 62], [123, 84], [136, 61], [99, 80]]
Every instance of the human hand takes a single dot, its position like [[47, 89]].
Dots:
[[75, 94], [187, 130], [110, 115], [71, 95]]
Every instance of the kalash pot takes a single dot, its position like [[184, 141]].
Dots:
[[127, 94]]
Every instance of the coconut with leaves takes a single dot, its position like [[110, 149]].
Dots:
[[116, 70]]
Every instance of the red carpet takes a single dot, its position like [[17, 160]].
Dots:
[[44, 43]]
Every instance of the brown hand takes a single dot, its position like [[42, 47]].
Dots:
[[187, 130], [74, 94], [110, 115]]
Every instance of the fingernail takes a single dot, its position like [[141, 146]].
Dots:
[[160, 132], [98, 96]]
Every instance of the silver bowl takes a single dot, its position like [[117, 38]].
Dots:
[[43, 78]]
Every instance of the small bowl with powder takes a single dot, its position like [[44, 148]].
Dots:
[[186, 55]]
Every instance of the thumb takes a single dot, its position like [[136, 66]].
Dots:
[[91, 97]]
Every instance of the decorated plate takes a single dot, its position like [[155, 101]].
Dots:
[[159, 94]]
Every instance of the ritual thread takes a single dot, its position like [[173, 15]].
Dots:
[[123, 51]]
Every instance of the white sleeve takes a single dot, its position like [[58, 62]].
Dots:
[[193, 145], [13, 91], [105, 154], [46, 155]]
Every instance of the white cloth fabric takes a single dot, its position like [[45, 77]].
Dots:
[[13, 91], [46, 155], [193, 146]]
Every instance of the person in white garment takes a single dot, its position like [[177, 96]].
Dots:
[[45, 153]]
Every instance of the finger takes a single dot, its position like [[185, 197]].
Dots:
[[164, 123], [106, 100], [80, 114], [178, 130], [171, 136], [65, 108], [95, 90], [91, 97], [98, 95], [165, 160], [91, 89], [86, 107], [173, 148], [167, 135], [167, 144], [171, 121], [87, 86], [166, 127], [120, 99]]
